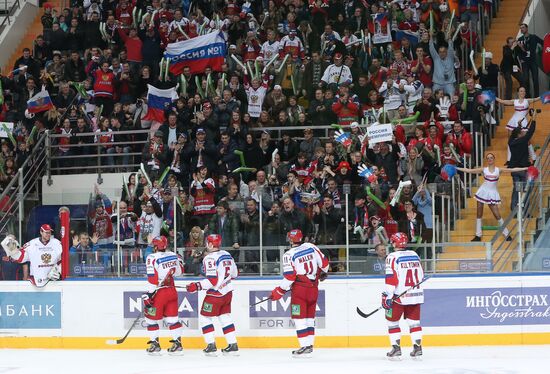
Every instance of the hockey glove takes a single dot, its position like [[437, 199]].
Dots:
[[11, 246], [387, 302], [193, 287], [277, 293], [323, 276], [147, 300], [55, 273]]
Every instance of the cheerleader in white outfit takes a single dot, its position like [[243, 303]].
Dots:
[[521, 107], [488, 194]]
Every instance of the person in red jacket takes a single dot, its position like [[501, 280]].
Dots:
[[133, 45], [104, 87], [460, 138], [346, 110]]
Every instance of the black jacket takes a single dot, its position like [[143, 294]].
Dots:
[[519, 149]]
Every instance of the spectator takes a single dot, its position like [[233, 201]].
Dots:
[[510, 66], [377, 264], [444, 70], [225, 223], [526, 50]]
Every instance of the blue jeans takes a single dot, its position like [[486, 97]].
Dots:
[[448, 88]]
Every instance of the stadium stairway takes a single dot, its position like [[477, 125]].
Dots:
[[503, 26], [33, 30]]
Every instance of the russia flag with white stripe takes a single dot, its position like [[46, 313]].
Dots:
[[158, 101], [197, 53]]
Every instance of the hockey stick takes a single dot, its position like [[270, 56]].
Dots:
[[261, 301], [367, 315]]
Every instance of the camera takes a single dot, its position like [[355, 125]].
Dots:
[[539, 110]]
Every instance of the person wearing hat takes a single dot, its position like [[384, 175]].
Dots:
[[208, 120], [201, 151], [55, 68], [336, 73], [43, 255], [155, 155], [291, 45]]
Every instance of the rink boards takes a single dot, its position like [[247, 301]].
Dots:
[[461, 310]]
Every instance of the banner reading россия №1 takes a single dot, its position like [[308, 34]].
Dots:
[[277, 314], [188, 310], [486, 306]]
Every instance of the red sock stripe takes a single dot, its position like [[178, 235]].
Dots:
[[415, 329], [207, 329], [396, 330], [152, 327], [229, 328], [174, 326], [311, 330], [302, 333]]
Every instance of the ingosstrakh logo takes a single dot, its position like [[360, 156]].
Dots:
[[500, 307]]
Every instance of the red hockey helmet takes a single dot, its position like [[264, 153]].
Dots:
[[160, 242], [215, 240], [399, 240], [45, 228], [295, 236]]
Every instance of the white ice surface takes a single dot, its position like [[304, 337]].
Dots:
[[451, 360]]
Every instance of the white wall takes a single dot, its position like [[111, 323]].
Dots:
[[538, 19], [457, 311], [13, 34]]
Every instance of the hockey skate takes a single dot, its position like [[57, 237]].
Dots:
[[154, 347], [303, 352], [416, 353], [395, 353], [176, 349], [231, 350], [211, 350]]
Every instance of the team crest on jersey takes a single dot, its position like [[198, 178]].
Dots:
[[104, 77], [46, 258], [295, 309], [254, 99], [207, 307]]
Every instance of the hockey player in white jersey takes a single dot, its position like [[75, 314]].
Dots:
[[220, 269], [161, 299], [43, 254], [304, 265], [403, 271]]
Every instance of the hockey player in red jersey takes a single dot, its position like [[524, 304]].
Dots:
[[42, 253], [304, 265], [161, 300], [403, 271], [220, 269]]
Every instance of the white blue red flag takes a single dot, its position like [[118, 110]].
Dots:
[[158, 101], [197, 53], [545, 97], [486, 97], [40, 102]]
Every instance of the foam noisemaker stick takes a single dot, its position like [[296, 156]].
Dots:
[[473, 62], [451, 24], [134, 15], [183, 85], [437, 154], [199, 87], [163, 175], [380, 233], [363, 40], [293, 84], [453, 151], [249, 67], [483, 59], [183, 32], [271, 60], [398, 192], [79, 87], [456, 32], [370, 43], [242, 169], [10, 135], [241, 157], [375, 198], [238, 62], [257, 69], [31, 136], [282, 64], [431, 21], [208, 83], [144, 173], [224, 79], [274, 154], [407, 120], [1, 93], [161, 64], [464, 95], [166, 68], [2, 166], [125, 186]]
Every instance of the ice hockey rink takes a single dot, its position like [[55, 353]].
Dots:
[[451, 360]]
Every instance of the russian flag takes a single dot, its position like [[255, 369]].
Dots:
[[486, 97], [382, 18], [40, 102], [158, 101], [545, 97], [198, 53]]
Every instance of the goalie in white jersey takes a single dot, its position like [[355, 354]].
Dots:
[[161, 299], [220, 270], [43, 253], [403, 271], [304, 265]]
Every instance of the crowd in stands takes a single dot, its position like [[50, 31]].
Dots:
[[290, 65]]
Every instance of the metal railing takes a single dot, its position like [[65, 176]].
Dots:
[[25, 182], [525, 218]]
